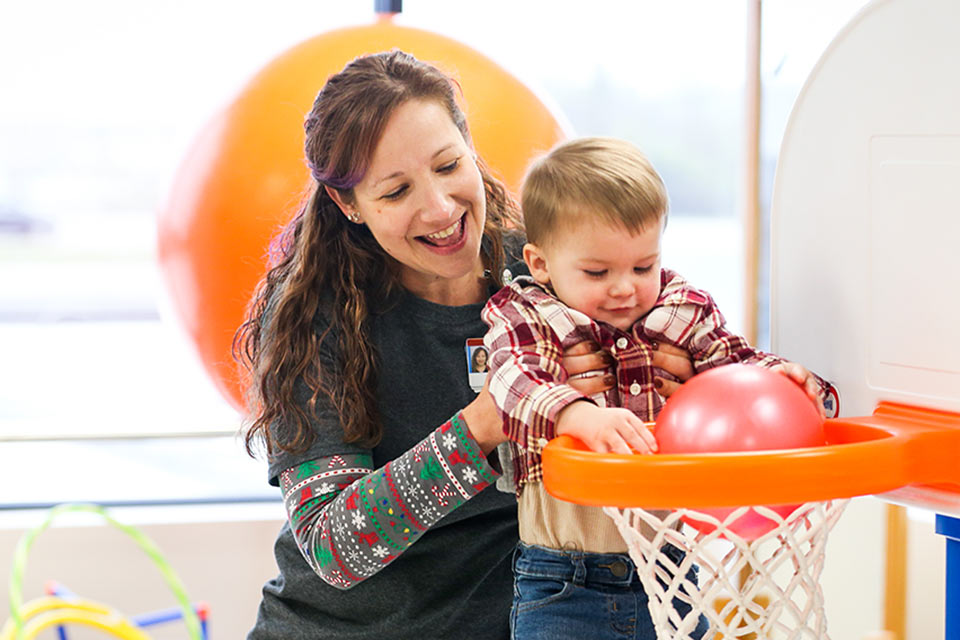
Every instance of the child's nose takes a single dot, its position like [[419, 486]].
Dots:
[[621, 287]]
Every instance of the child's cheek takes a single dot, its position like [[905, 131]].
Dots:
[[597, 298]]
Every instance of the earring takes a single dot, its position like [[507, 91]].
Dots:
[[353, 217]]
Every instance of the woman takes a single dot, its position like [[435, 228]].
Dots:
[[478, 364], [359, 394]]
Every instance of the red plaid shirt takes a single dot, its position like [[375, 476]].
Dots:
[[530, 329]]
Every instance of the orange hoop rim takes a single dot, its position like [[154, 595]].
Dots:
[[897, 446]]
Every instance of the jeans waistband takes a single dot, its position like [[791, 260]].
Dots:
[[578, 567], [581, 567]]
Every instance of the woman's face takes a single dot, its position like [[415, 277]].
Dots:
[[423, 200], [481, 358]]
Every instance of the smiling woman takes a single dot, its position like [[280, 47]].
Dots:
[[356, 348], [422, 199], [388, 177]]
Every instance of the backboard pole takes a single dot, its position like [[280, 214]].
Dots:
[[895, 583], [949, 527], [750, 216]]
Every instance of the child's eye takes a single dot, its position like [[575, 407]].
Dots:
[[450, 167], [396, 193], [595, 274], [643, 269]]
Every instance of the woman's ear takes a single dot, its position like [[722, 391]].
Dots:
[[348, 209], [536, 262]]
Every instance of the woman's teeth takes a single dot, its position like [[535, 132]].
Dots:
[[444, 233]]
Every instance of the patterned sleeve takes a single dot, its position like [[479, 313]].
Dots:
[[526, 380], [350, 521]]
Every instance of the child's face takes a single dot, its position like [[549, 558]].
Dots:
[[601, 270]]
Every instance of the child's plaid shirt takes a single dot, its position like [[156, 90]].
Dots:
[[530, 329]]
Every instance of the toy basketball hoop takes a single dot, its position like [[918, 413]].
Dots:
[[761, 582]]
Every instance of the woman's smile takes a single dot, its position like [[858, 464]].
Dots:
[[447, 238]]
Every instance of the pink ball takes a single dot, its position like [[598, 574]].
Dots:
[[739, 408]]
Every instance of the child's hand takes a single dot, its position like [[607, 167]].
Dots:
[[604, 430], [799, 374]]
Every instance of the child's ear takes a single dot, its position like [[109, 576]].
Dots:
[[536, 262]]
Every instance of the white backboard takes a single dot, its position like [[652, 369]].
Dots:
[[865, 232]]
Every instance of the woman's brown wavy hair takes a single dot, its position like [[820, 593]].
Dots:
[[320, 256]]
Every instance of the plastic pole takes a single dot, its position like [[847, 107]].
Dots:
[[949, 527]]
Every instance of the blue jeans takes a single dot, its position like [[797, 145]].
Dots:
[[569, 594]]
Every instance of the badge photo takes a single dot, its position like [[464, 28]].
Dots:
[[477, 363]]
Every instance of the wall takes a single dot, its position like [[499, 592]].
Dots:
[[853, 574], [223, 563]]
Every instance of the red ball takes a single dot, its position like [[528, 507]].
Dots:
[[739, 408]]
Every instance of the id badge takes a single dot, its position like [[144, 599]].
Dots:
[[477, 363]]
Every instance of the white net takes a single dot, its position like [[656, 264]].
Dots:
[[756, 582]]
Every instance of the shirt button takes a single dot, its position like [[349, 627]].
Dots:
[[635, 388], [542, 442], [622, 343]]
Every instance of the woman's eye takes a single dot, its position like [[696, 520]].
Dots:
[[396, 193], [447, 168], [595, 274]]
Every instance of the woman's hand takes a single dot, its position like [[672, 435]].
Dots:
[[588, 368], [674, 361], [802, 376], [484, 421], [590, 371]]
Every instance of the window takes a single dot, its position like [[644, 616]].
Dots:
[[102, 100]]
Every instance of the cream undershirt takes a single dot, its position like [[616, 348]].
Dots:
[[548, 522]]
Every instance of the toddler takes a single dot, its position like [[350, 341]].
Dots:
[[594, 211]]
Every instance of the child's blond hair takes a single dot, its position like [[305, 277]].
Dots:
[[595, 176]]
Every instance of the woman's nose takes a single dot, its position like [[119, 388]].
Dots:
[[437, 203]]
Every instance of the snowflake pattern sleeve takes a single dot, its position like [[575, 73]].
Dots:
[[350, 521]]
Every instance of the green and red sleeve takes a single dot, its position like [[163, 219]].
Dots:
[[350, 520]]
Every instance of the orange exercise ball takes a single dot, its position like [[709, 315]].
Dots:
[[245, 174]]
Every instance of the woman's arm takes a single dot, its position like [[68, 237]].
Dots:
[[350, 521]]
